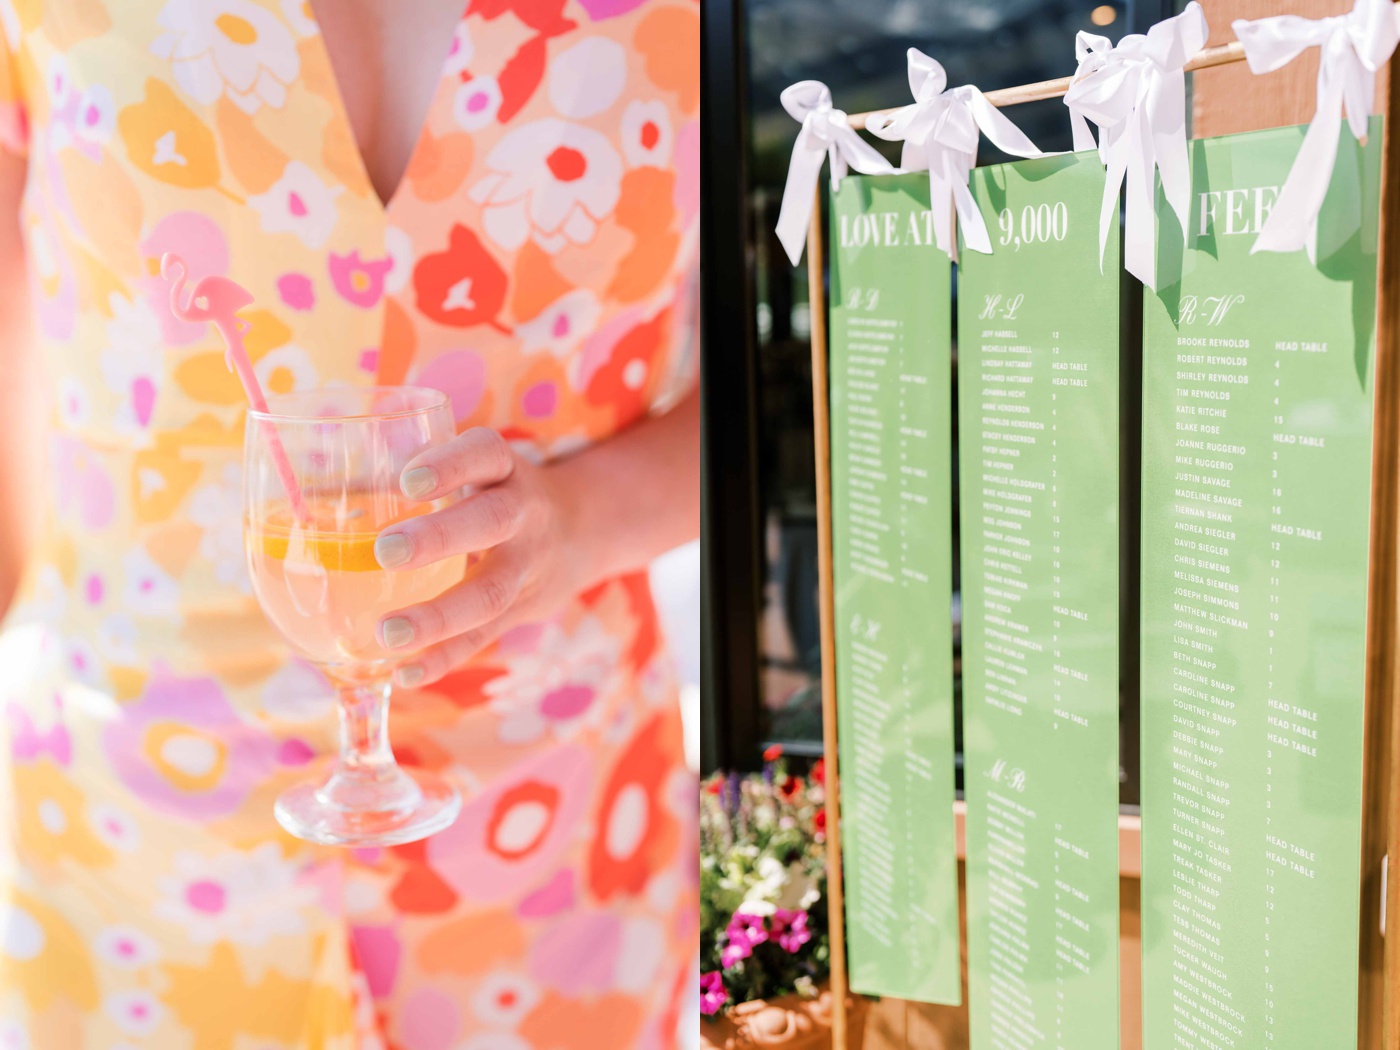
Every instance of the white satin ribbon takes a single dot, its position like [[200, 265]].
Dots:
[[824, 133], [940, 131], [1136, 94], [1354, 46]]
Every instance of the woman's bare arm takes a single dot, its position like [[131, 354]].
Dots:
[[20, 401]]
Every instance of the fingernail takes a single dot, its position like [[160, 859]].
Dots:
[[392, 550], [409, 675], [418, 482], [397, 632]]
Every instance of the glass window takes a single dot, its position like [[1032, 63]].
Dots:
[[858, 49]]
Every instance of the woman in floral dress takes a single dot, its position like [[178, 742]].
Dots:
[[499, 202]]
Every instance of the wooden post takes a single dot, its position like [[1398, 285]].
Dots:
[[821, 429]]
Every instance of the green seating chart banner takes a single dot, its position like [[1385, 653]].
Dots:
[[1038, 335], [1255, 506], [891, 431]]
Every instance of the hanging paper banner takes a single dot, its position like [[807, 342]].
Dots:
[[1038, 452], [891, 471], [1255, 508]]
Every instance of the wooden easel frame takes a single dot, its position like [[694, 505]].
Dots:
[[1379, 988]]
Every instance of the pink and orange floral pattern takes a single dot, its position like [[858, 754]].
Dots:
[[534, 264]]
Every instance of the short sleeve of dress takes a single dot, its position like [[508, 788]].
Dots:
[[14, 112]]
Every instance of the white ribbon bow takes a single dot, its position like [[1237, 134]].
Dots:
[[1136, 94], [824, 131], [1354, 46], [939, 132]]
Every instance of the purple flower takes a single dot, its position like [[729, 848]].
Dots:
[[745, 932], [790, 929], [734, 795], [734, 953], [712, 993]]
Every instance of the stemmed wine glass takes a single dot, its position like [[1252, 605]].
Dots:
[[310, 543]]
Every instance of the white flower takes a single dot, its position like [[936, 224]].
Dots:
[[14, 1035], [74, 406], [642, 956], [460, 55], [503, 999], [125, 947], [232, 47], [297, 692], [82, 660], [133, 361], [587, 78], [558, 684], [562, 324], [646, 134], [22, 937], [286, 369], [114, 827], [246, 898], [476, 103], [551, 181], [135, 1013], [298, 203], [117, 636], [217, 508], [149, 590], [299, 16], [398, 246]]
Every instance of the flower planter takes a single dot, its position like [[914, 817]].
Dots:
[[789, 1022]]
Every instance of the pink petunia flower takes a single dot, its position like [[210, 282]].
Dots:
[[790, 929], [712, 993]]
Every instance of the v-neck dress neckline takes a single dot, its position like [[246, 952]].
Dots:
[[341, 112]]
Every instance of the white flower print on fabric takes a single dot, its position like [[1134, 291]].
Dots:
[[562, 324], [286, 369], [299, 17], [114, 827], [149, 590], [503, 999], [476, 103], [587, 78], [132, 363], [125, 947], [460, 55], [232, 47], [135, 1013], [647, 139], [298, 203], [247, 898], [551, 181], [558, 685], [217, 508]]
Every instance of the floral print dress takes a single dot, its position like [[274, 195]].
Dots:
[[535, 264]]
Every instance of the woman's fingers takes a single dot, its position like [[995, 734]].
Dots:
[[479, 522], [437, 660], [490, 588], [476, 457]]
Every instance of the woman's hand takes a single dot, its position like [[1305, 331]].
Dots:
[[543, 533], [523, 519]]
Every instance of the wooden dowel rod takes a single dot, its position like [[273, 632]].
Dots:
[[826, 603], [1012, 96]]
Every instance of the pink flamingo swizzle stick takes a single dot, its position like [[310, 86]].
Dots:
[[217, 300]]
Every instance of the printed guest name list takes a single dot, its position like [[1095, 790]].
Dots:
[[1256, 481], [1038, 448], [891, 464]]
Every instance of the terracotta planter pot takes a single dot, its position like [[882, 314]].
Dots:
[[789, 1022]]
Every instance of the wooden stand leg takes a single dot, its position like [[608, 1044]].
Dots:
[[821, 424]]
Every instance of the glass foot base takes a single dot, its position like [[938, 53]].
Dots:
[[309, 812]]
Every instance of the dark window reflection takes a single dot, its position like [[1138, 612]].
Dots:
[[857, 48]]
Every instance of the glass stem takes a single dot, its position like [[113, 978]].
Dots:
[[364, 729], [366, 778]]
